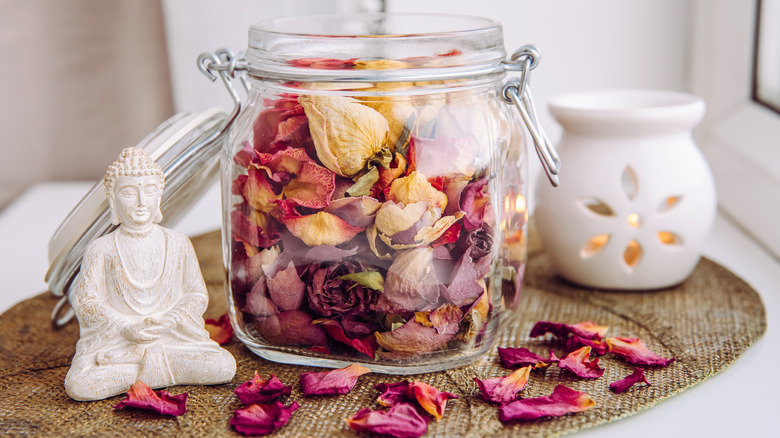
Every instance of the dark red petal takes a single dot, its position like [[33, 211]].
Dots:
[[292, 327], [563, 330], [366, 345], [401, 421], [259, 391], [141, 396], [220, 330], [521, 357], [575, 342], [562, 401], [579, 363], [256, 420], [339, 381], [622, 385], [393, 393]]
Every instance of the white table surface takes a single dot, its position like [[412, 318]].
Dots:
[[744, 400]]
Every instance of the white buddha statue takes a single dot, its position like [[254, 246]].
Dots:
[[140, 297]]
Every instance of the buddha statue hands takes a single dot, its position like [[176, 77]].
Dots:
[[140, 297]]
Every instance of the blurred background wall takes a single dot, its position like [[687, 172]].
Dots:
[[81, 79]]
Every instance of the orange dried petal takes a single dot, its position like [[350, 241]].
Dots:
[[636, 352], [220, 330], [321, 228], [431, 399]]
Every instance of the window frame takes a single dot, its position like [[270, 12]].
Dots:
[[739, 137]]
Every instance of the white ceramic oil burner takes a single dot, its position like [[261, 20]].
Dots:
[[637, 199]]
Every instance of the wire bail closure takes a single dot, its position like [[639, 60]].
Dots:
[[228, 66], [517, 92]]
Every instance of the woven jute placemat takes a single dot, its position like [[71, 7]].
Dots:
[[706, 323]]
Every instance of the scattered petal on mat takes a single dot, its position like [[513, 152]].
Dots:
[[220, 330], [393, 393], [622, 385], [636, 352], [521, 357], [575, 342], [259, 391], [579, 363], [256, 420], [587, 329], [339, 381], [142, 396], [431, 399], [502, 390], [562, 401], [400, 421]]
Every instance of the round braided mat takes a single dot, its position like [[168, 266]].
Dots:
[[706, 323]]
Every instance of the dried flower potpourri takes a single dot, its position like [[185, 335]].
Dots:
[[622, 385], [333, 382], [141, 396], [366, 225], [259, 391], [255, 420], [401, 420], [562, 401], [501, 390]]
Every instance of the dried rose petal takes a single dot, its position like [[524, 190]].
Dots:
[[339, 381], [411, 283], [256, 420], [415, 188], [393, 219], [521, 357], [312, 187], [141, 396], [504, 389], [320, 228], [465, 286], [578, 362], [431, 399], [366, 345], [256, 230], [414, 338], [473, 201], [259, 391], [393, 393], [591, 327], [450, 235], [387, 176], [400, 421], [562, 401], [220, 330], [258, 303], [286, 288], [358, 212], [586, 330], [622, 385], [575, 342], [636, 352], [258, 192], [292, 327]]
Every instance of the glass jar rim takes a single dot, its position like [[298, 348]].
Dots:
[[338, 47]]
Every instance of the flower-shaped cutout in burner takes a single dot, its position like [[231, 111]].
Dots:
[[632, 254]]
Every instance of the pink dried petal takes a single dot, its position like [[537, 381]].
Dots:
[[141, 396], [320, 228], [258, 303], [562, 401], [358, 212], [313, 186], [339, 381], [258, 192], [583, 330], [411, 283], [414, 338], [473, 201], [431, 399], [502, 390], [366, 345], [259, 391], [393, 393], [575, 342], [636, 352], [445, 319], [251, 232], [256, 420], [401, 421], [220, 330], [246, 156], [591, 327], [578, 362], [286, 288], [464, 287], [521, 357], [292, 327], [622, 385]]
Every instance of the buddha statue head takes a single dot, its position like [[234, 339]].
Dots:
[[134, 186]]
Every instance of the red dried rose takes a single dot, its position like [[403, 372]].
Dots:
[[578, 362], [256, 420], [400, 421], [259, 391], [636, 352], [339, 381], [431, 399], [141, 396], [220, 330], [521, 357], [622, 385], [562, 401], [503, 390]]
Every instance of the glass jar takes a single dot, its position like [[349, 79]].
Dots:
[[374, 190]]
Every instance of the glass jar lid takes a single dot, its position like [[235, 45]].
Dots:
[[410, 46], [186, 147]]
